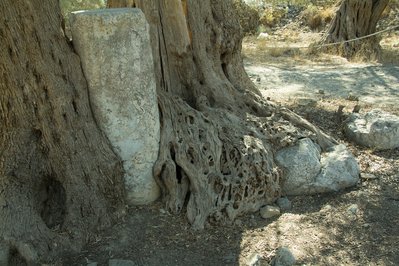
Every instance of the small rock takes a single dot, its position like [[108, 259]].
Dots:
[[258, 79], [269, 211], [256, 260], [366, 225], [284, 203], [326, 208], [367, 176], [353, 209], [263, 36], [238, 222], [321, 92], [284, 257], [116, 262]]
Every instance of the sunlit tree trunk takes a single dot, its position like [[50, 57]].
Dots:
[[355, 19]]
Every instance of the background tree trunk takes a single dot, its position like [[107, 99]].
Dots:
[[354, 19], [59, 178], [218, 136]]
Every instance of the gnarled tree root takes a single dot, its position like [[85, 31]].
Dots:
[[221, 164]]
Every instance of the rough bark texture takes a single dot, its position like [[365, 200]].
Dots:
[[59, 178], [354, 19], [218, 137]]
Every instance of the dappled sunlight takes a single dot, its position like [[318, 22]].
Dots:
[[371, 84], [336, 229]]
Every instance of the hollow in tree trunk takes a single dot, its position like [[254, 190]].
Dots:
[[218, 136], [59, 178], [355, 19]]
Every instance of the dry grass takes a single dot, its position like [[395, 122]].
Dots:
[[317, 17], [272, 16], [390, 55]]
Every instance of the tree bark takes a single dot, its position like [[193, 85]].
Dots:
[[355, 19], [218, 136], [59, 178]]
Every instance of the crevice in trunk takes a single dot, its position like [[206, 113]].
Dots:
[[52, 198]]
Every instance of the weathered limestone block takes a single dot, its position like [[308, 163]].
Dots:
[[115, 50], [376, 129], [309, 172]]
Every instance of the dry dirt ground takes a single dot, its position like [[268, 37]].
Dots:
[[359, 226]]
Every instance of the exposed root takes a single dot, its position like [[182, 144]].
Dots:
[[222, 164]]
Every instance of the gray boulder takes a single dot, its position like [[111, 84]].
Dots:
[[339, 170], [302, 164], [375, 129], [309, 172]]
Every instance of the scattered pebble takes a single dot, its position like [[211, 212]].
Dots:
[[354, 208], [269, 211], [366, 225], [238, 222], [255, 260], [284, 203], [263, 36], [326, 208], [367, 176]]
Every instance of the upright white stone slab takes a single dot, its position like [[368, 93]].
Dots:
[[114, 46]]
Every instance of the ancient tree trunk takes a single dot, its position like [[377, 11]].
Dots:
[[218, 136], [59, 178], [355, 19]]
